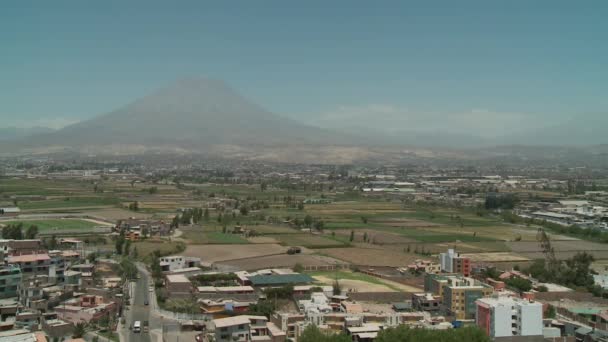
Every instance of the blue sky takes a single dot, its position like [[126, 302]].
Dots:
[[63, 61]]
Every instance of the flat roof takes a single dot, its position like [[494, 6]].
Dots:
[[236, 320], [28, 258], [177, 278]]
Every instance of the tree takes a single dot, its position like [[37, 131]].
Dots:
[[308, 221], [52, 244], [219, 218], [92, 258], [134, 206], [244, 210], [337, 288], [206, 215], [319, 225], [118, 244], [13, 231], [298, 268], [521, 284], [352, 235], [364, 219], [79, 330], [365, 237]]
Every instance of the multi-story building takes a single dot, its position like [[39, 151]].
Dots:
[[458, 293], [31, 264], [10, 278], [452, 262], [508, 316]]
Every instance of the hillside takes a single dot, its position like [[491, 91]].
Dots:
[[188, 114]]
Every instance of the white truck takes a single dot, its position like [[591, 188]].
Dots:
[[137, 327]]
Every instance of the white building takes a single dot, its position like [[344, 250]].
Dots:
[[446, 260], [508, 316], [178, 262]]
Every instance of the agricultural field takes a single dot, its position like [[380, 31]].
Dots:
[[360, 282], [58, 224], [370, 256], [289, 261], [308, 240], [218, 253]]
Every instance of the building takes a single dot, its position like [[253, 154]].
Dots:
[[178, 284], [9, 211], [272, 277], [178, 262], [31, 264], [458, 293], [508, 316], [246, 328], [452, 262], [86, 309], [425, 266], [426, 301], [10, 279]]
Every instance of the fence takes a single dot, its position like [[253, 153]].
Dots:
[[180, 316]]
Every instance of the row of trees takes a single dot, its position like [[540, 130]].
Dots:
[[15, 232]]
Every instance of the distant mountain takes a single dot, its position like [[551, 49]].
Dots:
[[189, 114], [13, 133], [582, 130]]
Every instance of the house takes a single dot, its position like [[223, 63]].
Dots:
[[220, 306], [246, 328], [426, 301], [88, 308], [32, 264], [507, 316]]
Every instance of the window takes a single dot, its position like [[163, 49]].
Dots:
[[241, 326]]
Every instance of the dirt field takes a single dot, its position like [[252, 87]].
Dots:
[[214, 253], [351, 285], [495, 257], [262, 239], [370, 256], [563, 249], [282, 261]]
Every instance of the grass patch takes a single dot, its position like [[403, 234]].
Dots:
[[352, 276], [221, 238], [69, 202]]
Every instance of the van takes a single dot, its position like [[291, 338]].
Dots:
[[137, 327]]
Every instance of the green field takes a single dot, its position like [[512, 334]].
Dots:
[[68, 202], [59, 224]]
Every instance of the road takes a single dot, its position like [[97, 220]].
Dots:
[[139, 311]]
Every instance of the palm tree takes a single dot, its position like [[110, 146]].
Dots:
[[79, 330]]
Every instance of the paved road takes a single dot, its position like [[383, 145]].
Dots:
[[139, 311]]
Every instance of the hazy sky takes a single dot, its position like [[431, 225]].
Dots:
[[63, 61]]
